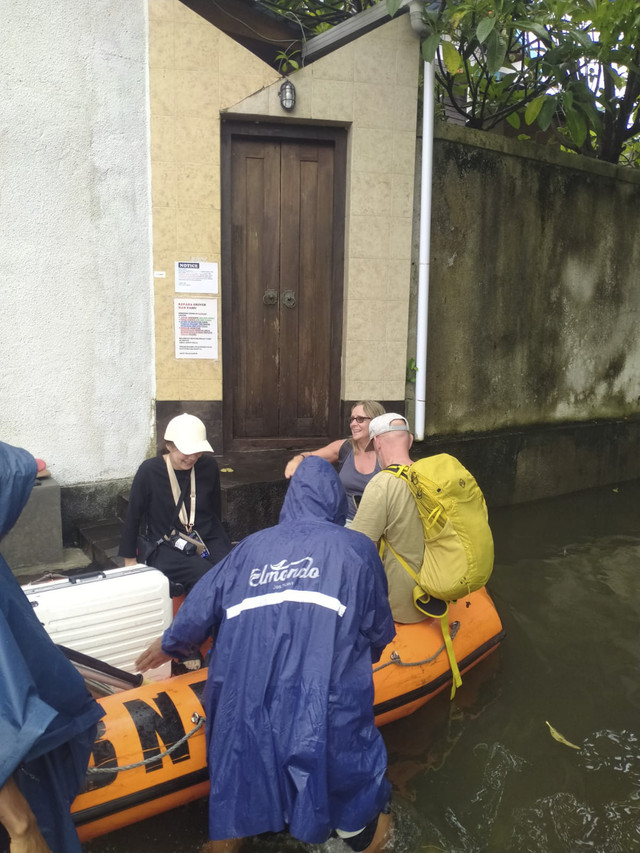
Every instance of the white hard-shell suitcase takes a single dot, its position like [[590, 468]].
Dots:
[[112, 615]]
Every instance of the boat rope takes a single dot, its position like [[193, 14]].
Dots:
[[195, 718], [454, 627]]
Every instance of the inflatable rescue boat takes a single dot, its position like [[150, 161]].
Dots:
[[149, 755]]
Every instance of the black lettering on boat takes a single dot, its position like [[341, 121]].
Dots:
[[104, 757], [153, 727], [198, 689]]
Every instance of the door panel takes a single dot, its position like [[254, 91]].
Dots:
[[306, 272], [256, 236], [284, 292]]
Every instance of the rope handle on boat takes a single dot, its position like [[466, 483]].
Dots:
[[396, 659], [195, 718]]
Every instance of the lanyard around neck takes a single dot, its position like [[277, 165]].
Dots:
[[175, 488]]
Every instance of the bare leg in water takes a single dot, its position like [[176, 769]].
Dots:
[[380, 839], [382, 835]]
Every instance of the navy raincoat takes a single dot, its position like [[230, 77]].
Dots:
[[47, 717], [298, 612]]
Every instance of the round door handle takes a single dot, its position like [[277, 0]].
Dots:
[[289, 299], [270, 297]]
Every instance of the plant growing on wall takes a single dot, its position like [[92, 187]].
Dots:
[[568, 66], [600, 91]]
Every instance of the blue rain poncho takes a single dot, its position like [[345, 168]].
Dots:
[[47, 717], [298, 613]]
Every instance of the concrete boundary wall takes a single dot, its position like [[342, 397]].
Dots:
[[537, 462], [534, 308], [533, 371]]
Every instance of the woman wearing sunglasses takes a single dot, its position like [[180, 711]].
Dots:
[[356, 466]]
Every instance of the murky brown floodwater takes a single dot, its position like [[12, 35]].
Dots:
[[483, 774]]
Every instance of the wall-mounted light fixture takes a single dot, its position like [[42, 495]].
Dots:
[[287, 95]]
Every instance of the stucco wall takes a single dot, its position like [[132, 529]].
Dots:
[[76, 348], [535, 286]]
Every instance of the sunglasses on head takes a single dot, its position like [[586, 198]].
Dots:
[[358, 419]]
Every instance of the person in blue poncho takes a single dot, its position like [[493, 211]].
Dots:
[[298, 613], [47, 717]]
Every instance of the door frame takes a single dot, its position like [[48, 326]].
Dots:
[[231, 129]]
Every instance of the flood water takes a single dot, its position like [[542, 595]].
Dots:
[[484, 773]]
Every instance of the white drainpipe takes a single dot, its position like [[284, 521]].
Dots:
[[425, 228]]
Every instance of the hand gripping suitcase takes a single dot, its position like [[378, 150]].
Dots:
[[112, 615]]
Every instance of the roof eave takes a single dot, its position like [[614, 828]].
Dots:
[[346, 32]]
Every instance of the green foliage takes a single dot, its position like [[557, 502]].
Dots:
[[492, 56], [569, 66], [315, 16], [287, 61], [631, 153], [412, 369]]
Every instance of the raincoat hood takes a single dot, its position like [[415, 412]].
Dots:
[[315, 493], [18, 471]]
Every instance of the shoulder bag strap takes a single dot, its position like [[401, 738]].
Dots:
[[179, 497]]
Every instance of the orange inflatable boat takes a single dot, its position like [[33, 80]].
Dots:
[[149, 755]]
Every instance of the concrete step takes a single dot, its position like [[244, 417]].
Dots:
[[100, 542], [72, 561], [253, 489]]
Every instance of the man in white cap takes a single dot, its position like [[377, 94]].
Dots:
[[175, 494], [388, 509]]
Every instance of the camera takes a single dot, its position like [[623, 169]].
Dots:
[[180, 544]]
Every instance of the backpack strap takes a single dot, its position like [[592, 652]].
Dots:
[[398, 471], [425, 603]]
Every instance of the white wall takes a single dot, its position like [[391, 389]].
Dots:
[[76, 341]]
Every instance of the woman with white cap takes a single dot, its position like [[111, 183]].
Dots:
[[175, 499]]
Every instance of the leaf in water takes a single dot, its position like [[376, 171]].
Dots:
[[555, 734], [226, 470], [615, 490]]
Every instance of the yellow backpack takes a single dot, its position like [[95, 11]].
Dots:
[[458, 548]]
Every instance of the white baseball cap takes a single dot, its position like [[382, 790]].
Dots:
[[384, 423], [188, 433]]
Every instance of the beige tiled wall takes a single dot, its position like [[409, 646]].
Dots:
[[195, 71], [370, 86]]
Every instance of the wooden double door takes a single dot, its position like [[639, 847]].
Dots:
[[283, 236]]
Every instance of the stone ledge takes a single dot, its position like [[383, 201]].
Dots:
[[36, 538]]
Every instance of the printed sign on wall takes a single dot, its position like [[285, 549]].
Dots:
[[196, 277], [196, 328]]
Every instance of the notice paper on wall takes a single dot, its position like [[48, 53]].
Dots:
[[196, 328], [196, 277]]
